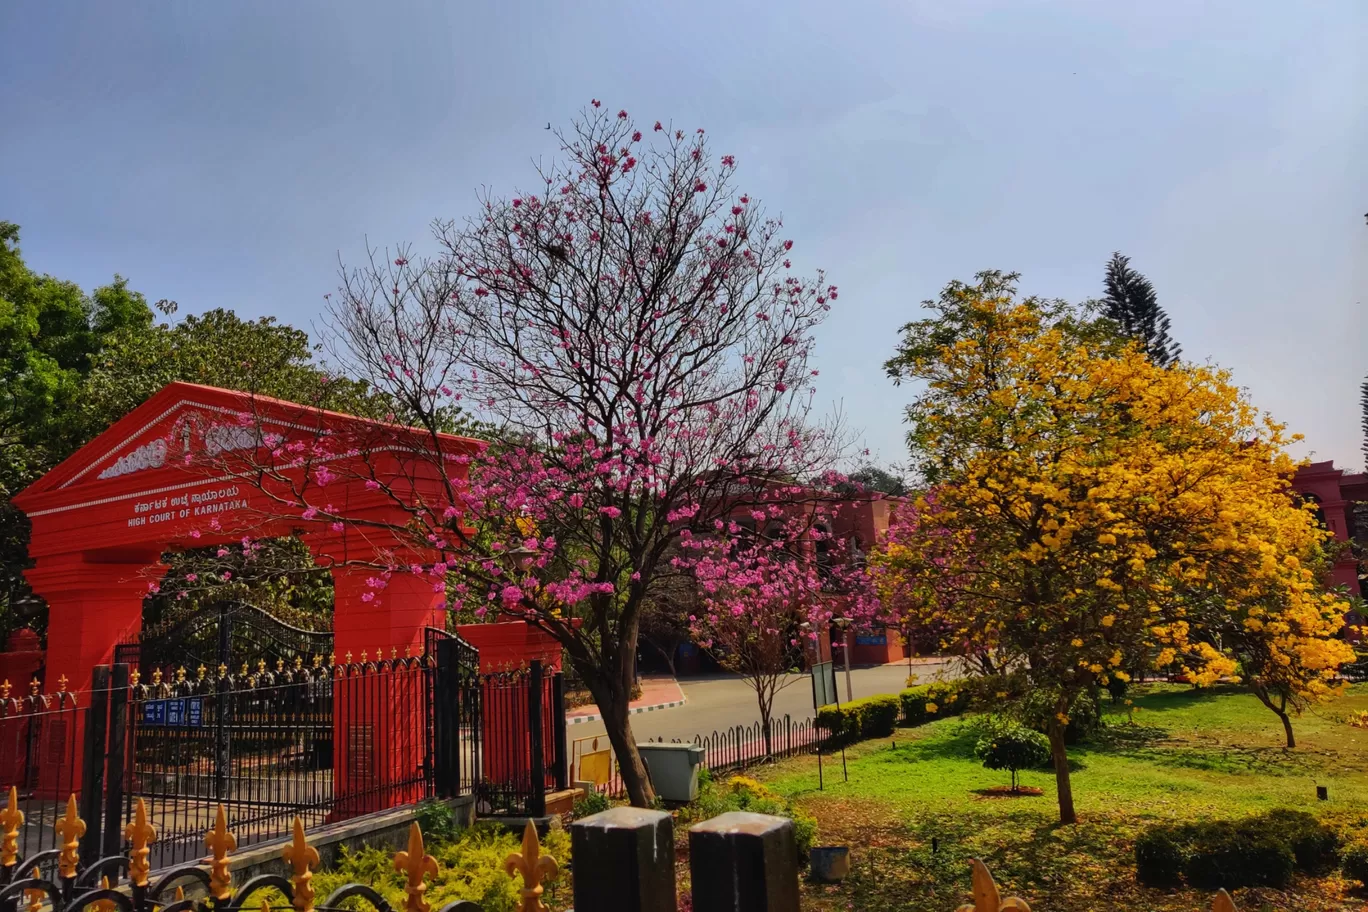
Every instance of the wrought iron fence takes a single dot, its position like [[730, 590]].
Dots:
[[760, 857], [40, 737], [725, 750]]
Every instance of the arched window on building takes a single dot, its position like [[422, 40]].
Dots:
[[821, 538]]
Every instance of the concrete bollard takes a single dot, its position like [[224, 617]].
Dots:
[[744, 863], [624, 861]]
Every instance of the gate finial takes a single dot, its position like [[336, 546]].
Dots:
[[11, 819], [986, 895], [220, 842], [416, 863], [70, 828], [141, 834], [299, 855], [534, 868]]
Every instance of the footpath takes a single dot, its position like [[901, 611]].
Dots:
[[657, 692]]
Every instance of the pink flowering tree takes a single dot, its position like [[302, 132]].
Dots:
[[924, 606], [770, 578], [632, 332]]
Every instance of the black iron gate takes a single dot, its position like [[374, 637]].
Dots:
[[229, 634]]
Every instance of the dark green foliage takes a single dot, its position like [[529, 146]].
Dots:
[[871, 717], [872, 478], [1131, 303], [1354, 863], [592, 803], [1257, 851], [1010, 746], [1238, 856], [1160, 854], [436, 819], [1314, 845]]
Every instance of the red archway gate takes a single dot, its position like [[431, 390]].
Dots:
[[177, 473]]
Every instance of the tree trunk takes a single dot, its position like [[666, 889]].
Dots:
[[610, 683], [1280, 711], [1287, 728], [1059, 754], [616, 721]]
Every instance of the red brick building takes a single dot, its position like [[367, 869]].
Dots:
[[1335, 492]]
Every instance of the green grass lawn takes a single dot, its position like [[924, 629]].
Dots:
[[1188, 755]]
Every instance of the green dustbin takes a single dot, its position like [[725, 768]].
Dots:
[[673, 769]]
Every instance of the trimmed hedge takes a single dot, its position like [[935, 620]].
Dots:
[[1355, 862], [871, 717], [929, 702], [1260, 851]]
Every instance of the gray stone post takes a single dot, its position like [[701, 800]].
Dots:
[[624, 861], [743, 862]]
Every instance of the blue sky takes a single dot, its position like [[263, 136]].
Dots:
[[226, 154]]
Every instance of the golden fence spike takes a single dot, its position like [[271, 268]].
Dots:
[[140, 833], [299, 855], [134, 677], [986, 895], [415, 863], [180, 675], [5, 689], [363, 656], [103, 905], [62, 684], [201, 672], [70, 828], [534, 868], [11, 819], [220, 842], [1223, 902], [34, 899]]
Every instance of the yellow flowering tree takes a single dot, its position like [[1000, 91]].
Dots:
[[1091, 512]]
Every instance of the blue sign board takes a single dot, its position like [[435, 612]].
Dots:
[[182, 713]]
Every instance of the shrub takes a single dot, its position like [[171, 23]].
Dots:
[[471, 869], [436, 819], [1013, 747], [1232, 855], [1315, 847], [594, 802], [1354, 864], [1160, 855], [1257, 851], [930, 702], [871, 717], [741, 793]]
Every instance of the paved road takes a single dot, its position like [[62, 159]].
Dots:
[[718, 702]]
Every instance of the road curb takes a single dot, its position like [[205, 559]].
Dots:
[[634, 711]]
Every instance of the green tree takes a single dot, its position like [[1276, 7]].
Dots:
[[873, 478], [50, 332], [1131, 303]]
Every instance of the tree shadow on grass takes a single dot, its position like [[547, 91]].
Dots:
[[954, 742]]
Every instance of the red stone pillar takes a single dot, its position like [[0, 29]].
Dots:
[[380, 700], [92, 607]]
